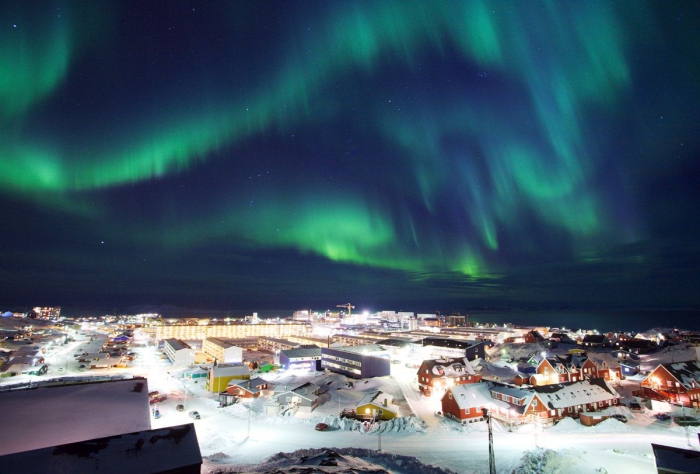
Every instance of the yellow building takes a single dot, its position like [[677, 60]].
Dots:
[[219, 376], [377, 405], [230, 331]]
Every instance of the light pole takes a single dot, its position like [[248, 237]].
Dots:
[[492, 459]]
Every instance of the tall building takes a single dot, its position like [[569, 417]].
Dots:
[[47, 312]]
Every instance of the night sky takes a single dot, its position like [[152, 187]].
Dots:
[[396, 155]]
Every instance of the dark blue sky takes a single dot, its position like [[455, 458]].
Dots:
[[258, 155]]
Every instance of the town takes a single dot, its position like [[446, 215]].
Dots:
[[365, 374]]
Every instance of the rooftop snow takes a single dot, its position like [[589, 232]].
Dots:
[[48, 416]]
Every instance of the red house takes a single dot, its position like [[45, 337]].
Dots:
[[516, 405], [573, 368], [444, 373], [677, 382], [247, 388]]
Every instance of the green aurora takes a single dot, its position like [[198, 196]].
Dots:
[[491, 135]]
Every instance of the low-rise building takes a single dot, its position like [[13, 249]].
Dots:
[[222, 351], [303, 397], [357, 361], [440, 347], [306, 357], [441, 374], [220, 375], [515, 405], [178, 352], [378, 406], [676, 383]]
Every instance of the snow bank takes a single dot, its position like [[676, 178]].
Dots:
[[569, 425], [543, 461]]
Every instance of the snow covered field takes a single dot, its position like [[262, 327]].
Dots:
[[238, 437]]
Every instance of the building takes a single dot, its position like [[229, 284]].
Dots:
[[440, 347], [456, 320], [306, 357], [637, 346], [441, 374], [178, 352], [219, 376], [357, 361], [350, 340], [302, 315], [47, 312], [230, 331], [222, 351], [377, 405], [466, 403], [517, 405], [595, 341], [174, 450], [676, 383], [575, 367], [294, 398], [275, 345], [47, 416], [238, 389]]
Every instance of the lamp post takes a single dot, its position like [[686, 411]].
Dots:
[[492, 460]]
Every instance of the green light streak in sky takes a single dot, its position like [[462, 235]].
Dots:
[[35, 57], [584, 66]]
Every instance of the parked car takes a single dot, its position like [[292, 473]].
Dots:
[[634, 406], [180, 408], [321, 427], [686, 421], [158, 399], [194, 415], [619, 417], [662, 416], [395, 361]]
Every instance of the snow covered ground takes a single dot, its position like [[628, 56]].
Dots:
[[238, 437]]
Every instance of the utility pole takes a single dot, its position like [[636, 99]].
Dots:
[[492, 459]]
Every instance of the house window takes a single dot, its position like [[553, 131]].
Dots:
[[450, 395], [534, 403]]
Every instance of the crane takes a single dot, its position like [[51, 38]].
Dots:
[[348, 306]]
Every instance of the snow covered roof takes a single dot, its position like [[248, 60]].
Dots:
[[306, 390], [475, 395], [379, 399], [161, 450], [454, 367], [177, 344], [370, 349], [568, 394], [444, 342], [687, 373], [511, 391], [253, 385], [302, 352], [48, 416], [28, 360], [233, 370]]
